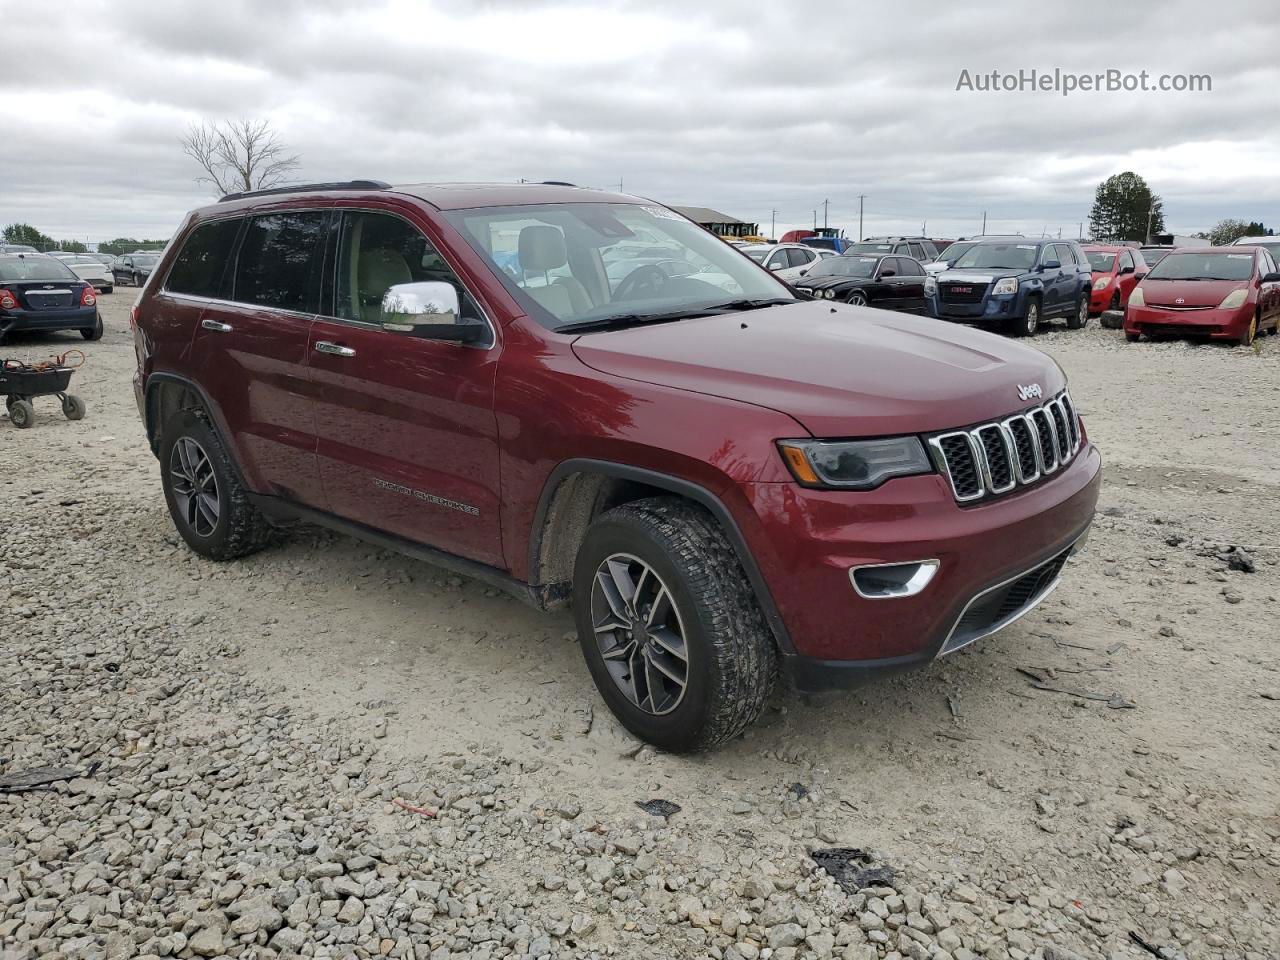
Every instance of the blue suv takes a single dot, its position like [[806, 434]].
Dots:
[[1014, 285]]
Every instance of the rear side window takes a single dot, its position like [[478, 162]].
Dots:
[[800, 258], [199, 268], [279, 262], [917, 251]]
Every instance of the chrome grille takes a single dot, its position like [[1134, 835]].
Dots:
[[994, 458]]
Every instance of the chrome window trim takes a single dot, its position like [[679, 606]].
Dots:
[[357, 324]]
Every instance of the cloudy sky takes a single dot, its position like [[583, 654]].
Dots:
[[747, 107]]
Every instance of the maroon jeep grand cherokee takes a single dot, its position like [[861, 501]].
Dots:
[[582, 396]]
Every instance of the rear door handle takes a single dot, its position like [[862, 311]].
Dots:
[[324, 346], [210, 324]]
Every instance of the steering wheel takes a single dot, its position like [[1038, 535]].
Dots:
[[648, 278]]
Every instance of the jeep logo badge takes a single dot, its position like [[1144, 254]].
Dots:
[[1030, 392]]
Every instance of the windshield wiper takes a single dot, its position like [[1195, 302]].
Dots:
[[639, 319]]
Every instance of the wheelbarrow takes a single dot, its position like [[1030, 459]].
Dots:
[[21, 384]]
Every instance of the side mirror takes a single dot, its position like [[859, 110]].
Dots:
[[1124, 270], [1051, 265], [429, 310], [888, 273], [1271, 278]]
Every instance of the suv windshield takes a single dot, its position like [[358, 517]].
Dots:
[[1203, 266], [34, 268], [575, 263], [1100, 262], [999, 256], [846, 266], [955, 252]]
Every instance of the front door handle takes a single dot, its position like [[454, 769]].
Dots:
[[324, 346], [211, 324]]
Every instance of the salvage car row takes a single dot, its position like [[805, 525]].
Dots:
[[1015, 284]]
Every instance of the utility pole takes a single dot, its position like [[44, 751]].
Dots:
[[1151, 212], [984, 223], [825, 204], [773, 224], [815, 221], [861, 197], [1080, 231]]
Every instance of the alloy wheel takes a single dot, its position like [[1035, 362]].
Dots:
[[858, 299], [1031, 323], [195, 486], [640, 634]]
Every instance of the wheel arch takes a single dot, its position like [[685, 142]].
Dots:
[[579, 490], [168, 393]]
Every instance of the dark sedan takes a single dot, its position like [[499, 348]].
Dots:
[[43, 293], [887, 282]]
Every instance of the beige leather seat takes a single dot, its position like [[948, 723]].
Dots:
[[378, 271], [542, 249]]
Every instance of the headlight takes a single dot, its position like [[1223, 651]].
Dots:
[[829, 293], [1235, 298], [1101, 283], [854, 464], [1136, 299], [930, 286], [1007, 285]]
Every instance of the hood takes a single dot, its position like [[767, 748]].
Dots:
[[841, 371], [1192, 293]]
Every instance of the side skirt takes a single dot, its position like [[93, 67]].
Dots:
[[283, 512]]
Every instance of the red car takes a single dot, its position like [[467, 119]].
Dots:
[[728, 482], [1226, 293], [1116, 271]]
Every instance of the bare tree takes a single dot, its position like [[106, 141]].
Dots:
[[238, 155]]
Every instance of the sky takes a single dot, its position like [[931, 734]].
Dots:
[[761, 110]]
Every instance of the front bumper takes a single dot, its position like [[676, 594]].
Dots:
[[68, 318], [808, 540], [991, 309], [1100, 300], [1214, 322]]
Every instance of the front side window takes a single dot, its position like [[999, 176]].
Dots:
[[910, 268], [200, 266], [569, 263], [377, 251], [279, 261]]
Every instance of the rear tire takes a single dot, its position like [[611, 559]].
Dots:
[[1080, 319], [1133, 337], [108, 289], [22, 414], [208, 504], [729, 661], [94, 332], [1029, 323]]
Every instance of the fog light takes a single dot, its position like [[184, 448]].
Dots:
[[882, 581]]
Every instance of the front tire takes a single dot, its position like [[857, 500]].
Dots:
[[1029, 323], [858, 299], [1250, 334], [669, 625], [1132, 337], [208, 504]]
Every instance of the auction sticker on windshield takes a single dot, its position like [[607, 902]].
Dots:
[[661, 213]]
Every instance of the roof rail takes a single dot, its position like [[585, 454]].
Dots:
[[307, 187]]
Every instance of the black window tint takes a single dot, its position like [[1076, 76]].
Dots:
[[799, 258], [279, 261], [199, 268], [911, 268], [917, 250]]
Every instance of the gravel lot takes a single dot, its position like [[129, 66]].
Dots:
[[328, 750]]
